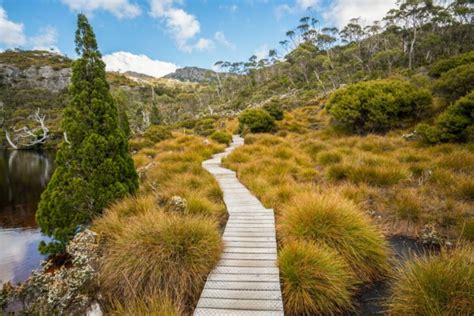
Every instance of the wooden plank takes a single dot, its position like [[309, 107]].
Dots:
[[245, 270], [249, 250], [250, 244], [241, 294], [247, 263], [234, 312], [244, 277], [240, 285], [265, 305], [249, 239], [249, 256]]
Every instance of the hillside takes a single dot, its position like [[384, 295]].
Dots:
[[193, 74]]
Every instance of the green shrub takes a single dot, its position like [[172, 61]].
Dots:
[[338, 223], [256, 121], [205, 127], [456, 83], [453, 125], [378, 105], [221, 137], [157, 133], [445, 65], [315, 280], [274, 109], [435, 285]]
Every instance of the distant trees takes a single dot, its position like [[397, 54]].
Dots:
[[93, 168]]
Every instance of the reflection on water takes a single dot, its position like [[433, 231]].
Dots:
[[23, 176]]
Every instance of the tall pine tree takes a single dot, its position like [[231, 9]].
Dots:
[[93, 166]]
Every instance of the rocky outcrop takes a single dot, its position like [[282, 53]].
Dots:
[[43, 77], [193, 74]]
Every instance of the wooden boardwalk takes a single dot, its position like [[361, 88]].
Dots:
[[246, 279]]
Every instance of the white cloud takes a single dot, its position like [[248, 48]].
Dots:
[[298, 7], [125, 61], [220, 37], [368, 10], [304, 4], [204, 44], [262, 51], [11, 33], [182, 25], [46, 39], [119, 8]]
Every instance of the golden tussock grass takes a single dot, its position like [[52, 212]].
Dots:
[[337, 222], [435, 285], [159, 252], [315, 280]]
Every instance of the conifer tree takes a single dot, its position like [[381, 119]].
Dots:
[[93, 166]]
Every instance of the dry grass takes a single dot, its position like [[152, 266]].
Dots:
[[337, 222], [158, 252], [153, 305], [437, 285], [315, 280]]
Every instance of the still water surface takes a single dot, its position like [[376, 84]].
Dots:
[[23, 176]]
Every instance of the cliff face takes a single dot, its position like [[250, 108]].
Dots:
[[41, 77], [34, 70]]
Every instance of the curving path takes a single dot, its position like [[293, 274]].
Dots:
[[246, 279]]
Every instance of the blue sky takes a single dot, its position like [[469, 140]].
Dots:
[[156, 36]]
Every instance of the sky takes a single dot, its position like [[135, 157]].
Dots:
[[157, 36]]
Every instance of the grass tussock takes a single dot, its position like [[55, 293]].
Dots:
[[153, 305], [315, 280], [436, 285], [337, 222], [159, 252]]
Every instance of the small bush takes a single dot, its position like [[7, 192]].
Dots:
[[456, 83], [435, 285], [205, 127], [157, 252], [378, 105], [273, 107], [221, 137], [445, 65], [256, 121], [157, 133], [315, 280], [337, 222], [456, 124]]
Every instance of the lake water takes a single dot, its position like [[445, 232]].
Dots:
[[23, 176]]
